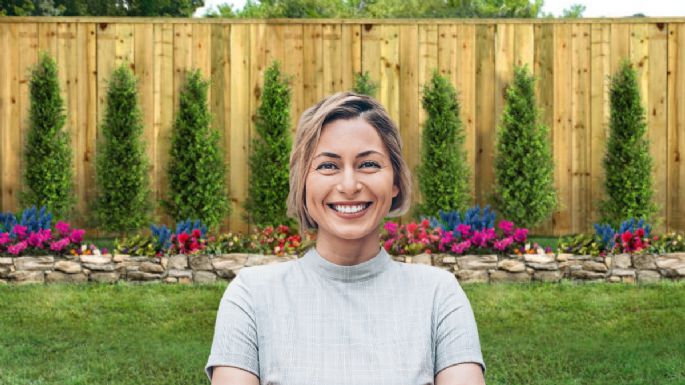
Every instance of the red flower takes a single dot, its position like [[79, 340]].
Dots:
[[411, 227], [196, 233], [640, 233], [183, 237], [627, 236]]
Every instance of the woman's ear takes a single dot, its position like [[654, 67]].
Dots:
[[395, 191]]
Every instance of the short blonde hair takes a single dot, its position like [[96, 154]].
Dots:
[[343, 105]]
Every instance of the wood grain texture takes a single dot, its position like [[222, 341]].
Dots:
[[572, 61]]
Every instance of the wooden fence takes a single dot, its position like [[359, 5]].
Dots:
[[572, 60]]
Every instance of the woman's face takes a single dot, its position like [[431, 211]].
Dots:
[[349, 185]]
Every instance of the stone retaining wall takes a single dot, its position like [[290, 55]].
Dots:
[[470, 268]]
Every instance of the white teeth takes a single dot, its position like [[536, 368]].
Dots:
[[350, 209]]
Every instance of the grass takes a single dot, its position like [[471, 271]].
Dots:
[[561, 334]]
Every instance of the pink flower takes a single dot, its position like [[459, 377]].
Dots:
[[20, 231], [390, 227], [77, 236], [62, 227], [4, 238], [504, 243], [506, 227], [520, 235], [17, 248], [388, 244], [460, 247], [35, 240], [59, 245], [465, 230]]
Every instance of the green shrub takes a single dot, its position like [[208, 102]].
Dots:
[[524, 168], [47, 155], [627, 162], [364, 85], [123, 202], [270, 157], [197, 188], [443, 174]]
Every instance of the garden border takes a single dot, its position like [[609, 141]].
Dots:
[[187, 269]]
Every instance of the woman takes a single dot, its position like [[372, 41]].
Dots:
[[346, 312]]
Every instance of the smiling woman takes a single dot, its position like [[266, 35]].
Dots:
[[346, 312]]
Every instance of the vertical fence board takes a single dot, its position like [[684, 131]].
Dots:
[[293, 67], [466, 88], [409, 84], [220, 94], [562, 125], [389, 87], [655, 105], [313, 64], [332, 58], [676, 125], [351, 53], [240, 120], [164, 108], [580, 174], [486, 93], [144, 67], [599, 116]]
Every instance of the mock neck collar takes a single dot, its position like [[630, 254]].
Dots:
[[358, 272]]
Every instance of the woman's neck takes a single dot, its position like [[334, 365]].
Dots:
[[347, 252]]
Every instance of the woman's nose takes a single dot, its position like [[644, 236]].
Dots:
[[349, 183]]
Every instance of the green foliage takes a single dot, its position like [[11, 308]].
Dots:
[[381, 9], [270, 157], [627, 162], [524, 168], [172, 8], [443, 173], [196, 170], [364, 85], [47, 155], [575, 11], [581, 244], [138, 245], [123, 201]]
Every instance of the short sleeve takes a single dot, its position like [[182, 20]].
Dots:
[[235, 331], [456, 334]]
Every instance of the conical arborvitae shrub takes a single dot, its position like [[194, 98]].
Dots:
[[47, 155], [270, 157], [524, 168], [364, 85], [123, 200], [197, 188], [627, 162], [443, 173]]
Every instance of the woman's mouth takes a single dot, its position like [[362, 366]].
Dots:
[[350, 211]]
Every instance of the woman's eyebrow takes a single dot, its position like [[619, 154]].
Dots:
[[361, 154]]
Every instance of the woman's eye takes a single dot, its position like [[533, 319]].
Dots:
[[373, 164], [324, 166]]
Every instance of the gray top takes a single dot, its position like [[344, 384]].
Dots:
[[310, 321]]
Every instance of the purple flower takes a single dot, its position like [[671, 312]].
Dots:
[[62, 227], [18, 248], [506, 227], [520, 235]]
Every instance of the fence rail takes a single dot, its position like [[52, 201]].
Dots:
[[572, 61]]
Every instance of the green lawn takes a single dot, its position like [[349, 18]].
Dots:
[[161, 334]]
